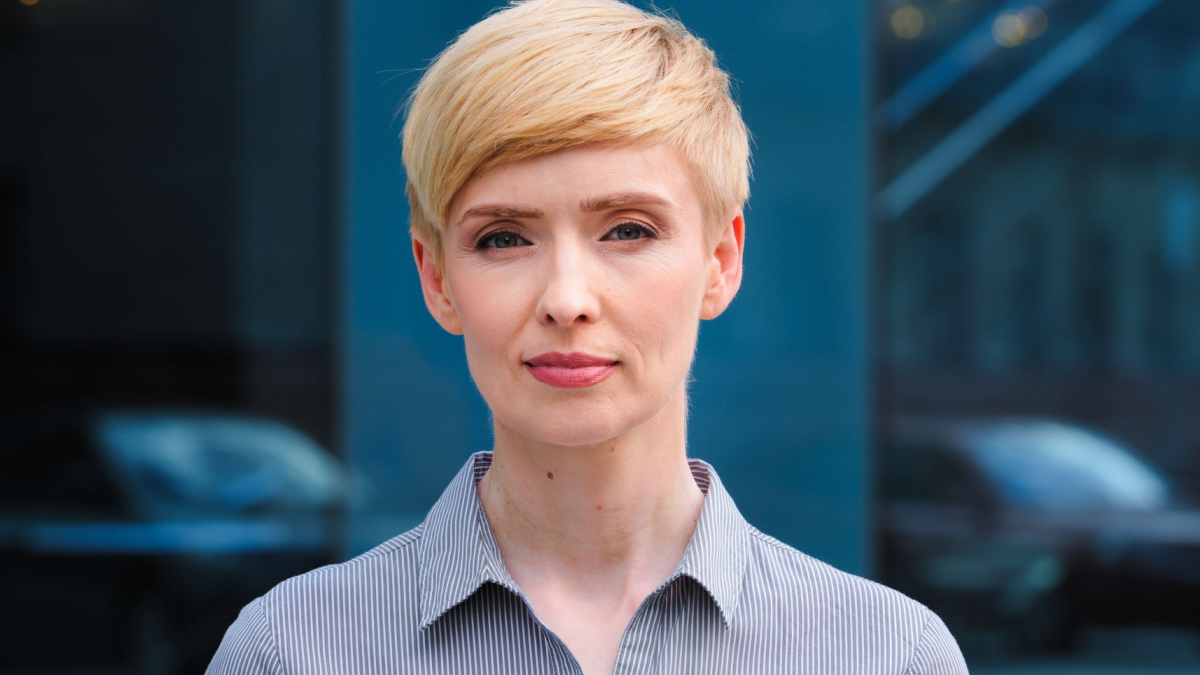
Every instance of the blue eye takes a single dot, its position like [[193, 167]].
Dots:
[[502, 240], [629, 232]]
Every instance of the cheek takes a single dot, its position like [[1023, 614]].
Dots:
[[491, 312], [662, 312]]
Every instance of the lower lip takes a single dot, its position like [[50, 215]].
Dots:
[[571, 378]]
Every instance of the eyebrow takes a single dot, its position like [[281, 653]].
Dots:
[[588, 205], [620, 199], [500, 211]]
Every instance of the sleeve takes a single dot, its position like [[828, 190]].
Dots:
[[937, 652], [249, 646]]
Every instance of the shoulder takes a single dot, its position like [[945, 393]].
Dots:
[[789, 572], [388, 569], [304, 616], [825, 601]]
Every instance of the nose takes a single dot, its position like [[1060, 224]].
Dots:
[[568, 296]]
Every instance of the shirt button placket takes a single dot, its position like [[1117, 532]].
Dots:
[[637, 654], [564, 661]]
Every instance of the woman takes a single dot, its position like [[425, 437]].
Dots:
[[577, 171]]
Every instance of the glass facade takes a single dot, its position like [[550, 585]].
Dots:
[[1038, 229]]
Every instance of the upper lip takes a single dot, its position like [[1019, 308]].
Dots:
[[572, 360]]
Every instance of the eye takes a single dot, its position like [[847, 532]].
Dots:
[[629, 232], [502, 239]]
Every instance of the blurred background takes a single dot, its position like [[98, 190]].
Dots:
[[965, 360]]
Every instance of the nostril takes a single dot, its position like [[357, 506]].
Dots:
[[567, 300], [552, 318]]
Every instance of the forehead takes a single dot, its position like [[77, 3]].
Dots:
[[588, 178]]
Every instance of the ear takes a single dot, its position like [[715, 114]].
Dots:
[[435, 288], [725, 266]]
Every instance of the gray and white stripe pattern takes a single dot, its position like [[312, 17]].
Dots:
[[438, 599]]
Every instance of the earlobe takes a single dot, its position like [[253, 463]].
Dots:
[[725, 275], [435, 289]]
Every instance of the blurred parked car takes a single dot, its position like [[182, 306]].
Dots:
[[130, 539], [1036, 526]]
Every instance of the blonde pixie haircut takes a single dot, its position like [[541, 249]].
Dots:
[[547, 75]]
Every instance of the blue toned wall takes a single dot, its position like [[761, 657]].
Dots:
[[779, 405]]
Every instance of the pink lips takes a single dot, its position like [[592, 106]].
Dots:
[[572, 370]]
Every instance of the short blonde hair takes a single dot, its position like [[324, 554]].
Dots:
[[547, 75]]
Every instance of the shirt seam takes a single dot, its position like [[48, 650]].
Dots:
[[364, 558], [768, 539], [376, 552], [912, 658], [273, 647], [336, 568]]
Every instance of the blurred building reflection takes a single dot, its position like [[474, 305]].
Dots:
[[167, 199], [166, 332], [1039, 238]]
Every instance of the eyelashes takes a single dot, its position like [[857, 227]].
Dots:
[[501, 239], [507, 238], [629, 231]]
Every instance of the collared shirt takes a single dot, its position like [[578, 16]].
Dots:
[[438, 599]]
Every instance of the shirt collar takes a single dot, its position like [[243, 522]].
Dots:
[[458, 552], [716, 555]]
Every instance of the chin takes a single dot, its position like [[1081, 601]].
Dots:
[[570, 432], [570, 426]]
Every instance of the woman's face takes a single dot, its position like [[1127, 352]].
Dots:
[[578, 280]]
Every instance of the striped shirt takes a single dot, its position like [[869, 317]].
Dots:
[[438, 599]]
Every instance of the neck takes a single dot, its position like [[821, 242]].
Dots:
[[616, 515]]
